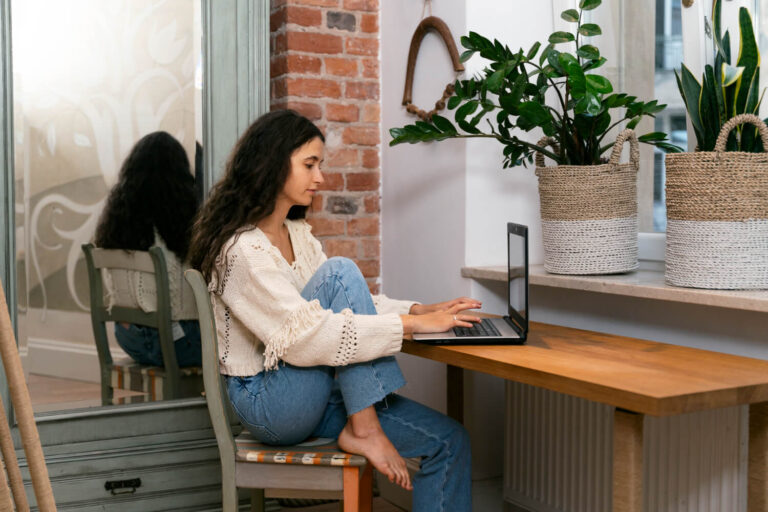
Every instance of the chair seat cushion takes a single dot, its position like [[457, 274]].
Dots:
[[314, 452]]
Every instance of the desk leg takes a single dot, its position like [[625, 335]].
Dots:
[[455, 393], [627, 461], [757, 471]]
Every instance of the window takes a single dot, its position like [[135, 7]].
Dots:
[[672, 120]]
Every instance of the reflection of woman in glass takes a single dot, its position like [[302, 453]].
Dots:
[[153, 203], [306, 349]]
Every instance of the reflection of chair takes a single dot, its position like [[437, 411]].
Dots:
[[283, 470], [156, 383], [30, 439]]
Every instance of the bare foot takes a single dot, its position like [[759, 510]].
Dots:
[[378, 449]]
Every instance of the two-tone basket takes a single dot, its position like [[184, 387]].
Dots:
[[717, 215], [589, 212]]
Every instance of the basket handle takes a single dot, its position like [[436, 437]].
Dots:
[[618, 146], [733, 122], [544, 142]]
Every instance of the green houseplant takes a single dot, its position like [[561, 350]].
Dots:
[[717, 196], [515, 86], [588, 201], [725, 90]]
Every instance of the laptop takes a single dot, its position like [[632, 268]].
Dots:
[[508, 330]]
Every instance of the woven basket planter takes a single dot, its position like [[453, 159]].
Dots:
[[589, 213], [717, 215]]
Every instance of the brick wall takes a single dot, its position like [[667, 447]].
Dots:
[[325, 65]]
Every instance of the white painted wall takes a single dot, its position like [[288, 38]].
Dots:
[[423, 196], [446, 205], [496, 196]]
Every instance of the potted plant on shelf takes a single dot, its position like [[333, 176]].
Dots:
[[588, 201], [717, 197]]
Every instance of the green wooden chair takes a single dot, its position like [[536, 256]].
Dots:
[[156, 383], [314, 469]]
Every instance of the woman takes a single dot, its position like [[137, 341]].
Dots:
[[306, 349], [153, 203]]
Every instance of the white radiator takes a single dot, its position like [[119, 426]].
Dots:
[[558, 456]]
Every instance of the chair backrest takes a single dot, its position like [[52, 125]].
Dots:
[[152, 262], [215, 391]]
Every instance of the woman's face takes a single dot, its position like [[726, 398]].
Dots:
[[305, 176]]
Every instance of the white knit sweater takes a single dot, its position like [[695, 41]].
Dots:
[[261, 317]]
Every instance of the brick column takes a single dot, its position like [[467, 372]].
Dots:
[[325, 65]]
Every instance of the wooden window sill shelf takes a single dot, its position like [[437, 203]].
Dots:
[[646, 283]]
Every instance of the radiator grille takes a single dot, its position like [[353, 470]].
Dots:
[[559, 456]]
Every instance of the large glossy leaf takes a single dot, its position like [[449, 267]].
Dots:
[[561, 37], [535, 113], [553, 57], [511, 101], [653, 136], [545, 53], [668, 147], [749, 58], [632, 124], [589, 104], [588, 51], [594, 64], [602, 123], [466, 54], [590, 29], [443, 124], [730, 74], [466, 109], [710, 120], [532, 52], [691, 90], [576, 79], [588, 5], [599, 84], [495, 80], [726, 47], [717, 27], [571, 15]]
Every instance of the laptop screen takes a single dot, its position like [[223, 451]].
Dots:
[[517, 257]]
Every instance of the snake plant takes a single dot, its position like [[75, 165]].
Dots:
[[725, 90]]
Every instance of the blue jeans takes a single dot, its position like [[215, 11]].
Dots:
[[289, 404], [142, 343]]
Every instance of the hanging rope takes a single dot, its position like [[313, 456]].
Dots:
[[30, 439], [11, 465], [427, 3]]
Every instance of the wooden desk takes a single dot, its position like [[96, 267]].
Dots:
[[637, 377]]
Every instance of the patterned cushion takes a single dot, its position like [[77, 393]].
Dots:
[[128, 374], [314, 451]]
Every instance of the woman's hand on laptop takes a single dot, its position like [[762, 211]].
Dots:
[[452, 306], [437, 321]]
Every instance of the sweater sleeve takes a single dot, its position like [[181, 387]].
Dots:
[[262, 297], [385, 305]]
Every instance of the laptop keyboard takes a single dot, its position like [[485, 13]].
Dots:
[[484, 328]]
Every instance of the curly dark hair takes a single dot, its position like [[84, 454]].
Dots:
[[255, 174], [155, 191]]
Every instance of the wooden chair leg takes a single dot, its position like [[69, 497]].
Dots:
[[229, 500], [366, 489], [257, 500], [351, 476]]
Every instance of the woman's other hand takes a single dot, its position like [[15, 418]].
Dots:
[[452, 306], [437, 321]]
